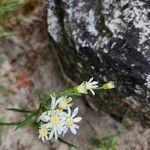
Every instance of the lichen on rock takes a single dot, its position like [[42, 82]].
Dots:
[[110, 39]]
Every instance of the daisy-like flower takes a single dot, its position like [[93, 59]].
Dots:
[[71, 121], [43, 133], [81, 88], [109, 85], [64, 103], [54, 101], [54, 120], [60, 103], [91, 85]]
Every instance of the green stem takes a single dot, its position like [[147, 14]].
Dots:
[[67, 143]]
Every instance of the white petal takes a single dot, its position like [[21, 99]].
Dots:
[[73, 130], [47, 125], [45, 118], [69, 111], [62, 123], [46, 137], [56, 135], [49, 113], [92, 92], [42, 115], [53, 101], [55, 132], [75, 112], [94, 82], [59, 100], [75, 126], [51, 135], [78, 119], [62, 114], [63, 118], [43, 139], [90, 79], [94, 86], [65, 130], [59, 130], [69, 99]]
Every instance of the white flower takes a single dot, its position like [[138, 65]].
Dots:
[[60, 103], [91, 85], [54, 120], [87, 85], [44, 116], [43, 133], [109, 85], [71, 120], [64, 103], [54, 101], [81, 88]]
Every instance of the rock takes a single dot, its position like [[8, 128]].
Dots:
[[107, 40]]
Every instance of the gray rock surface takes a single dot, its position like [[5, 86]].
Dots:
[[30, 53], [109, 40]]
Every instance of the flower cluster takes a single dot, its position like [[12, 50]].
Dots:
[[54, 116], [91, 85], [58, 119]]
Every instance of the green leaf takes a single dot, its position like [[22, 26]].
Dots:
[[19, 110], [67, 143], [38, 96], [9, 123], [25, 121]]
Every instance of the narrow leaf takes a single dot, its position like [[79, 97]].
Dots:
[[9, 123], [38, 96], [67, 143], [25, 121], [19, 110]]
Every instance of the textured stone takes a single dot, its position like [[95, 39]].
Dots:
[[109, 40]]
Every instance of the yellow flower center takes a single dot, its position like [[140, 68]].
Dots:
[[54, 120], [63, 104], [70, 121], [43, 131], [88, 85], [81, 88]]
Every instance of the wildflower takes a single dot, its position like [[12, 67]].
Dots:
[[91, 85], [71, 120], [43, 133], [54, 102], [109, 85], [64, 103], [44, 116], [81, 88], [54, 121], [60, 103]]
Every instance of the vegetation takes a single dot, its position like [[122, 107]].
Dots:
[[11, 11]]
